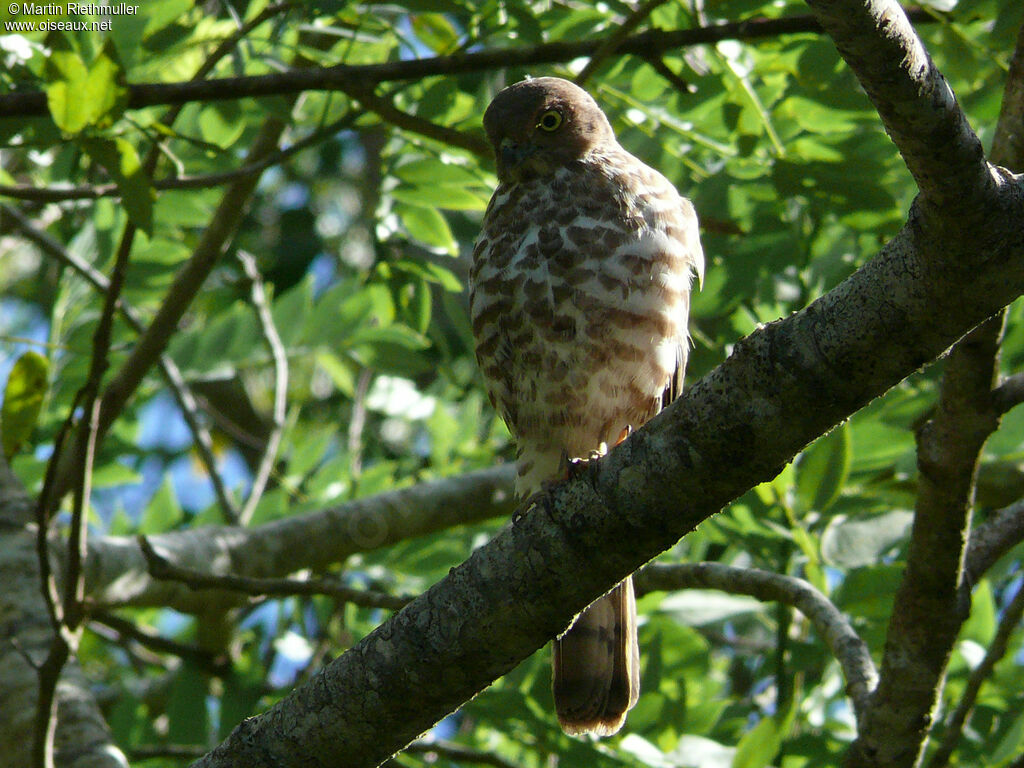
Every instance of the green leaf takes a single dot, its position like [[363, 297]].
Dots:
[[857, 541], [822, 470], [759, 746], [68, 75], [450, 198], [435, 31], [23, 399], [163, 513], [981, 624], [815, 117], [187, 714], [79, 96], [392, 334], [342, 375], [433, 171], [121, 161], [1009, 746], [113, 474], [432, 273], [222, 123], [428, 226]]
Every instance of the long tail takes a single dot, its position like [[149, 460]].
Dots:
[[596, 665]]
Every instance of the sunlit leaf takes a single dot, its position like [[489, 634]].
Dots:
[[81, 95], [119, 158], [822, 470], [23, 399]]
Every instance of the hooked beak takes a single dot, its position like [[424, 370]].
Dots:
[[511, 154]]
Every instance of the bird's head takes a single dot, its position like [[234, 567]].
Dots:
[[537, 126]]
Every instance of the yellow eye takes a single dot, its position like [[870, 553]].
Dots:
[[550, 120]]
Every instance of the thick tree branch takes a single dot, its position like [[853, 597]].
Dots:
[[917, 106], [934, 597], [120, 573], [344, 77], [734, 429], [849, 649]]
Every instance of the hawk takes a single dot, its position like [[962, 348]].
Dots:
[[579, 296]]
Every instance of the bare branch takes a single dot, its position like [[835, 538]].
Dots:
[[66, 611], [205, 181], [280, 358], [215, 664], [313, 541], [161, 568], [1009, 394], [343, 77], [934, 597], [993, 539], [849, 649], [611, 43]]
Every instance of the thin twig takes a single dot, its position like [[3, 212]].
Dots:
[[180, 390], [204, 181], [849, 649], [981, 673], [1000, 533], [459, 753], [611, 43], [1009, 394], [675, 80], [217, 664], [161, 568], [387, 111], [67, 611], [355, 425], [342, 77], [280, 357]]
